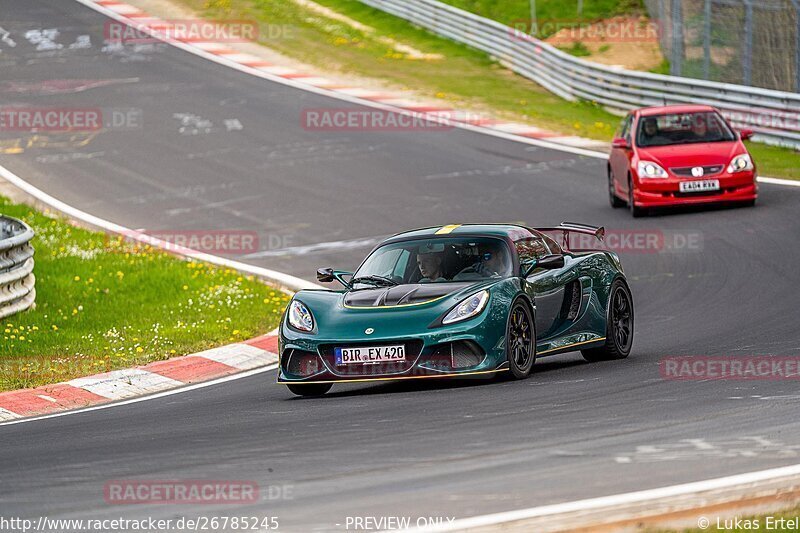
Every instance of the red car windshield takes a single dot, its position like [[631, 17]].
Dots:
[[682, 128]]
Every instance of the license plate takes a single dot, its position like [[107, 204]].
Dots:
[[699, 186], [370, 355]]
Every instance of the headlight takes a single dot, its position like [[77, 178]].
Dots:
[[300, 317], [468, 308], [740, 163], [648, 169]]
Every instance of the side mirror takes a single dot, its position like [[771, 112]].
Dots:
[[620, 142], [325, 275], [548, 262], [551, 262], [746, 134]]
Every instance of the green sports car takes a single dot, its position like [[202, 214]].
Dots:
[[455, 301]]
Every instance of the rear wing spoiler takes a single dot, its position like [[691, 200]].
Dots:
[[599, 232]]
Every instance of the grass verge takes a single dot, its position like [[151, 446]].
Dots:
[[463, 78], [104, 303]]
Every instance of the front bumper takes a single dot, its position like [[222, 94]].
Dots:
[[450, 352], [657, 192]]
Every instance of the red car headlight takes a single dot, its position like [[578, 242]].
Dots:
[[648, 169], [740, 163]]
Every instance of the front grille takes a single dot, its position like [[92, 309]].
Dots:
[[707, 171], [413, 347], [454, 356]]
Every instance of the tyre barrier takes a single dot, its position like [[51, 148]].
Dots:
[[17, 291]]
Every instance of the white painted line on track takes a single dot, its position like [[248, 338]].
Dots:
[[779, 181], [642, 496], [298, 84], [170, 392]]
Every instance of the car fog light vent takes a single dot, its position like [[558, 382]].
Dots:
[[465, 354], [301, 363]]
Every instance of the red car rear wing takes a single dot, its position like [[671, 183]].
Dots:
[[573, 227]]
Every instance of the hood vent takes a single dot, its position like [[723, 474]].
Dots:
[[401, 295]]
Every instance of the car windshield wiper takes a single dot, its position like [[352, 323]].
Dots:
[[379, 281], [698, 141]]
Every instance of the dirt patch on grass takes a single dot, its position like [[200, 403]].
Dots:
[[628, 42]]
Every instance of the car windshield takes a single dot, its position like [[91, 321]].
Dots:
[[435, 260], [682, 128]]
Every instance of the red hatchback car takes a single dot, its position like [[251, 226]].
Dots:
[[679, 155]]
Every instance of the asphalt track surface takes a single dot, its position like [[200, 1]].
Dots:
[[573, 430]]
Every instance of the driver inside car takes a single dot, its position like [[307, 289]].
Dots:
[[651, 133], [700, 129], [491, 264], [429, 260]]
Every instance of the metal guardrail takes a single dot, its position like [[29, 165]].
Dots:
[[773, 115], [17, 291]]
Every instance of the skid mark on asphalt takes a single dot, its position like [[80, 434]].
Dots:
[[507, 170], [48, 87], [666, 276], [212, 205], [295, 152], [56, 140], [68, 158], [693, 449], [308, 249], [194, 192]]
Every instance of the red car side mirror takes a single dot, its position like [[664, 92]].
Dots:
[[620, 142], [745, 134]]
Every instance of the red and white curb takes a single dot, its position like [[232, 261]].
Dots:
[[140, 381], [160, 28]]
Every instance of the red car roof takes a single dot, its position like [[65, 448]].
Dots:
[[683, 108]]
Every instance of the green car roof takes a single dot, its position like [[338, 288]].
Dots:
[[489, 230]]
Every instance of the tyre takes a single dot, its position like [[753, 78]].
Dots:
[[619, 326], [613, 199], [636, 212], [310, 389], [520, 340]]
